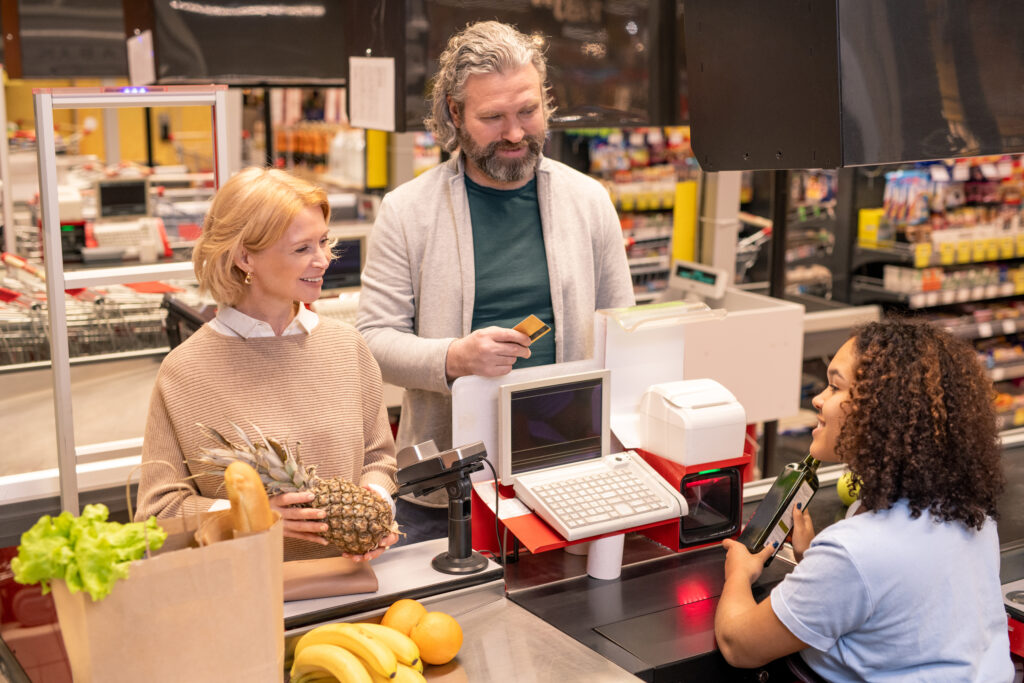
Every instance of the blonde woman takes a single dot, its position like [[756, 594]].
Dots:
[[269, 361]]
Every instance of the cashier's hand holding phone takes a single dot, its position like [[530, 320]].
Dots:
[[488, 352], [307, 523]]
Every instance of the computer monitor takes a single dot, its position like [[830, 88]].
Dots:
[[345, 271], [552, 421], [122, 198]]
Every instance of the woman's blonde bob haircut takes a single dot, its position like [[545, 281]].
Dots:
[[485, 47], [251, 211]]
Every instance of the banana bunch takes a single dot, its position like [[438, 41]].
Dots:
[[356, 653]]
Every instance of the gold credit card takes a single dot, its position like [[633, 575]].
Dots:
[[533, 327]]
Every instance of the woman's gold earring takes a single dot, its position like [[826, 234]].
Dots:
[[248, 278]]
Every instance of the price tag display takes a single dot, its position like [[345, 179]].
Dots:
[[984, 330], [1009, 326], [922, 254]]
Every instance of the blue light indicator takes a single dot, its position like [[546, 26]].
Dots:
[[130, 90]]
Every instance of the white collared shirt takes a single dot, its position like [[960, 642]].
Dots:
[[231, 322]]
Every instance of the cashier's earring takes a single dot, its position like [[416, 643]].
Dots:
[[248, 278]]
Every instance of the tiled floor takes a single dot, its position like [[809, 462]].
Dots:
[[110, 400]]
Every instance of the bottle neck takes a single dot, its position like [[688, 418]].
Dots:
[[811, 463]]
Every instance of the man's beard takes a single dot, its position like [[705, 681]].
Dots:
[[495, 167]]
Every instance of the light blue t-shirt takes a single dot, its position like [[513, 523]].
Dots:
[[883, 597]]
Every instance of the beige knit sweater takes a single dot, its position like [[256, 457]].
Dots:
[[323, 388]]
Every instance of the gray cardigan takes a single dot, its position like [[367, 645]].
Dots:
[[419, 282]]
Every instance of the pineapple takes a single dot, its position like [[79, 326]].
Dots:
[[357, 519]]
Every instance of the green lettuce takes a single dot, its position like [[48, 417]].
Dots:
[[88, 553]]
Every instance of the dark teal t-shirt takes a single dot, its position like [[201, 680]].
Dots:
[[511, 265]]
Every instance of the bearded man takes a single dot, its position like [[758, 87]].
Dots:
[[465, 251]]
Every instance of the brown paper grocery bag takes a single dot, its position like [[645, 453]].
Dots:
[[187, 613]]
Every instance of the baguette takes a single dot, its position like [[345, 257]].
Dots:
[[250, 507]]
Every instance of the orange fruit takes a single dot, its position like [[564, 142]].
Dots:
[[438, 636], [403, 615]]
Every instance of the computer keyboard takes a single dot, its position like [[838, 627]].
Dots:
[[343, 307], [129, 236], [592, 499], [598, 497]]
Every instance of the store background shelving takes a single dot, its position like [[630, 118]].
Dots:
[[943, 241], [651, 177]]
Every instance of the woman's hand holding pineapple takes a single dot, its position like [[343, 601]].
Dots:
[[300, 522]]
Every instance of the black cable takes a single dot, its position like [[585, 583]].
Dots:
[[497, 535]]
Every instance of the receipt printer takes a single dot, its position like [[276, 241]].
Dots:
[[692, 422]]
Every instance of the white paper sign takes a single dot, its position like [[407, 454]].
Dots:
[[371, 84], [141, 67]]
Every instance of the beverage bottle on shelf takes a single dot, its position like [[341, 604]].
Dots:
[[773, 519]]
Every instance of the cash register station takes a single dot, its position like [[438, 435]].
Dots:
[[124, 227]]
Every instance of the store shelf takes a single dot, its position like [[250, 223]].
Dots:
[[1010, 419], [649, 264], [181, 270], [870, 290], [985, 330], [1006, 370], [926, 255]]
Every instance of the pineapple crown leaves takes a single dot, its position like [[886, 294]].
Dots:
[[279, 468]]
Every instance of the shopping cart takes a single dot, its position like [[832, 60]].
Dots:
[[114, 319]]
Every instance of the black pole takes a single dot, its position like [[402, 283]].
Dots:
[[268, 134], [780, 208], [777, 289], [149, 137]]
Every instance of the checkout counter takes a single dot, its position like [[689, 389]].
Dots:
[[544, 618]]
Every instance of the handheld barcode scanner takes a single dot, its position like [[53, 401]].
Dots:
[[422, 469]]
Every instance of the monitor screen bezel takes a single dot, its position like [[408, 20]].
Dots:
[[505, 393], [111, 182], [348, 232]]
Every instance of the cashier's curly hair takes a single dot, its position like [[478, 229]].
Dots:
[[921, 424], [485, 47], [252, 211]]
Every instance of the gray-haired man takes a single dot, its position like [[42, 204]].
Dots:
[[465, 251]]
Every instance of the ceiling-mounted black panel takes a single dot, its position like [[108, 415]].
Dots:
[[821, 84], [610, 62]]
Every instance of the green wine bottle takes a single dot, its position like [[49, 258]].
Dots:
[[773, 519]]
